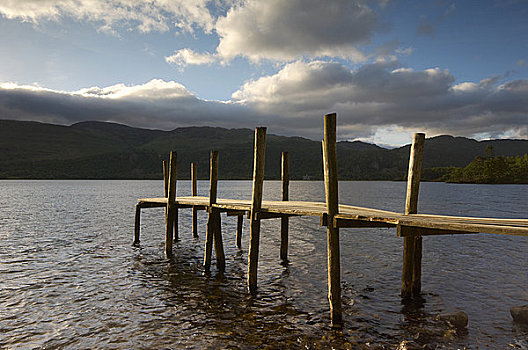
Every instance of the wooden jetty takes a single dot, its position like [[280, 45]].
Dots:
[[410, 225]]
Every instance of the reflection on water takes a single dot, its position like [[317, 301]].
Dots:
[[69, 276]]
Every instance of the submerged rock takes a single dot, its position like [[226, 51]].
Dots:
[[457, 319], [520, 313]]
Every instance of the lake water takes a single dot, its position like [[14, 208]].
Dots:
[[70, 278]]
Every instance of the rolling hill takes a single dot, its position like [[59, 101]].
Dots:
[[101, 150]]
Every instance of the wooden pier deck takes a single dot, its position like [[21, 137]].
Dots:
[[352, 216], [409, 225]]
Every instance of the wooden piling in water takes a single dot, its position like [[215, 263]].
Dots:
[[240, 223], [166, 191], [213, 233], [285, 177], [137, 224], [166, 178], [332, 204], [194, 192], [412, 244], [171, 205], [256, 203], [218, 244]]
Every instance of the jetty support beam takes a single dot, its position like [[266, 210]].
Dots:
[[240, 223], [213, 232], [285, 177], [166, 191], [194, 192], [171, 205], [137, 224], [332, 204], [412, 241], [256, 204]]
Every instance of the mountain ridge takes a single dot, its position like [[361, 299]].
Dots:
[[105, 150]]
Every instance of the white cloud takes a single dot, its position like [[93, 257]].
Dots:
[[186, 57], [155, 89], [285, 30], [465, 87], [153, 15], [275, 30]]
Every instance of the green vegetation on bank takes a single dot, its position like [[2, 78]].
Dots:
[[492, 170]]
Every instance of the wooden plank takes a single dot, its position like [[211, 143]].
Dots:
[[256, 202], [405, 231], [211, 224], [344, 223], [194, 193], [169, 211], [477, 220], [263, 215], [236, 212], [454, 226], [412, 245], [285, 178], [332, 205]]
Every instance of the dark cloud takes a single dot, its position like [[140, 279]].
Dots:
[[292, 102], [383, 95], [158, 106]]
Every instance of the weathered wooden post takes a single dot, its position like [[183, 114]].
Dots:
[[256, 203], [412, 244], [213, 232], [194, 191], [218, 244], [137, 224], [332, 204], [285, 177], [170, 209], [166, 178], [166, 188], [240, 223]]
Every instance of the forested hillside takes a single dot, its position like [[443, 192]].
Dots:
[[98, 150]]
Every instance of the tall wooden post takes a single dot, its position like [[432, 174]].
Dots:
[[332, 204], [285, 177], [194, 191], [166, 178], [166, 189], [170, 209], [256, 203], [412, 245], [213, 232]]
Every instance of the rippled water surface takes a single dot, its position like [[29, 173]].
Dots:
[[69, 277]]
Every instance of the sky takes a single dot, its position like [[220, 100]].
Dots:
[[388, 68]]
